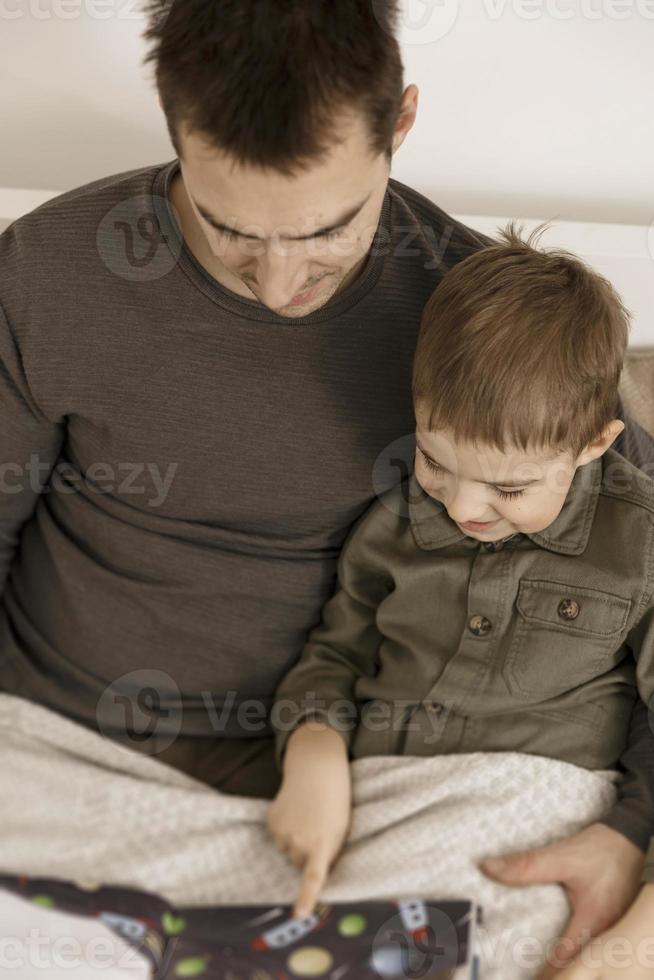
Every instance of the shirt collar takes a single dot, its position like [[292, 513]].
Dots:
[[432, 527]]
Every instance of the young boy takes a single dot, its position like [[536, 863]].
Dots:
[[500, 597]]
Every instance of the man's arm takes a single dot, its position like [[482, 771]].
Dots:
[[633, 814], [29, 447], [635, 443]]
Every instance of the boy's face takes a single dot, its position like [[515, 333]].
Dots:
[[490, 494]]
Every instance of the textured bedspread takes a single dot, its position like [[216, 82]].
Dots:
[[78, 806]]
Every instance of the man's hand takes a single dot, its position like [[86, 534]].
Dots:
[[625, 950], [600, 870], [310, 816]]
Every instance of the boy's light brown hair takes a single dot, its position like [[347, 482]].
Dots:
[[521, 348]]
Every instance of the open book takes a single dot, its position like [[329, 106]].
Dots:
[[364, 940]]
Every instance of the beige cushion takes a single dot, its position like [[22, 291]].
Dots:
[[637, 386]]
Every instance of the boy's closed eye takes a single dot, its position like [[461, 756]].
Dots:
[[436, 468]]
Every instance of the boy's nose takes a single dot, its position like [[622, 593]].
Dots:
[[463, 507]]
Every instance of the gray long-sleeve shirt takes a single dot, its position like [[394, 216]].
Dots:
[[179, 466]]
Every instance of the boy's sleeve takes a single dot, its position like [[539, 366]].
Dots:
[[342, 647], [29, 447], [633, 814]]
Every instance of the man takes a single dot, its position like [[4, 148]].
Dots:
[[206, 380]]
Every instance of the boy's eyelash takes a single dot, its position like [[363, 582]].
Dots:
[[503, 494], [430, 466], [508, 494]]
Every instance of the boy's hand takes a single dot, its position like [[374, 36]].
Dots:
[[625, 950], [310, 816], [600, 870]]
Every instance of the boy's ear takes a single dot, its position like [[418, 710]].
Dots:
[[599, 446]]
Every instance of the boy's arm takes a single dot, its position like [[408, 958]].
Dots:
[[633, 814], [343, 646], [29, 447], [310, 816]]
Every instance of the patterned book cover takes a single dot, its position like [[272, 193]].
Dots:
[[420, 938]]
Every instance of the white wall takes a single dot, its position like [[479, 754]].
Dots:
[[547, 115], [622, 253], [528, 107]]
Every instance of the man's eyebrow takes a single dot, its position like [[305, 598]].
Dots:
[[344, 219], [500, 483]]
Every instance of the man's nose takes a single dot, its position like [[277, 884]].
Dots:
[[280, 277]]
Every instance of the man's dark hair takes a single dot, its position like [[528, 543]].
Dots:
[[265, 80]]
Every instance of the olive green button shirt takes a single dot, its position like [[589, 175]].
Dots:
[[435, 642]]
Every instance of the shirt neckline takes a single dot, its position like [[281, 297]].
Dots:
[[568, 534], [252, 309]]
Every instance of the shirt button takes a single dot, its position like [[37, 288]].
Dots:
[[480, 626], [434, 707], [568, 609]]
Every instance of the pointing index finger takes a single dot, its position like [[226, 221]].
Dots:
[[313, 879]]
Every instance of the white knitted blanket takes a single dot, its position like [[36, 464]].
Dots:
[[78, 806]]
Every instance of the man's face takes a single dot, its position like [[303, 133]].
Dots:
[[516, 492], [250, 216]]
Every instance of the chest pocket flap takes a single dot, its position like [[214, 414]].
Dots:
[[564, 636], [572, 609]]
